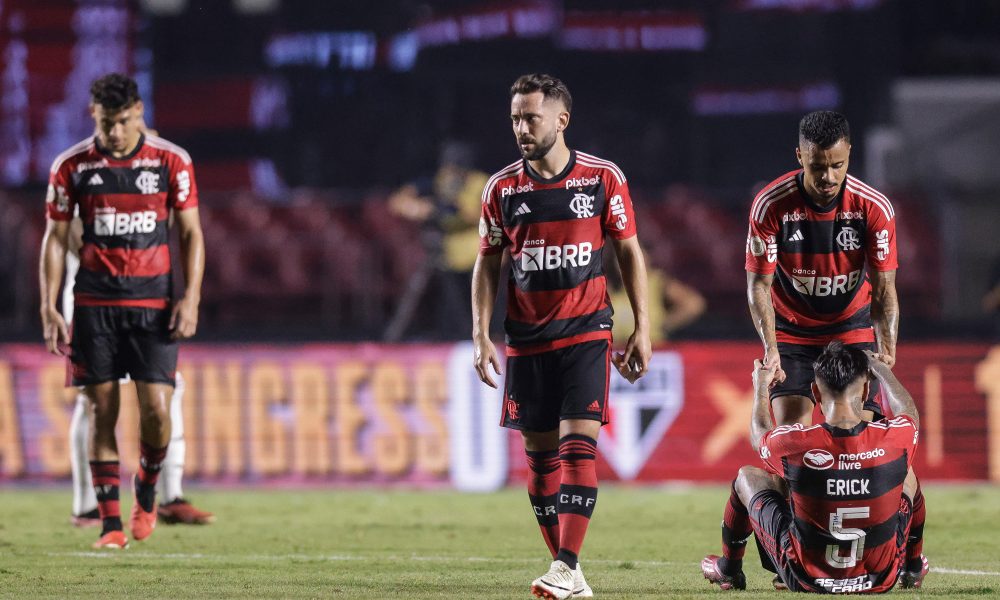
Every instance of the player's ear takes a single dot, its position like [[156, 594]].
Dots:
[[563, 121], [798, 156], [864, 391]]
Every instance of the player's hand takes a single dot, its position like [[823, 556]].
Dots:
[[877, 363], [888, 359], [183, 319], [486, 355], [763, 374], [772, 360], [54, 331], [634, 362]]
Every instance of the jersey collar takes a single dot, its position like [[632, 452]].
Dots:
[[556, 179], [853, 431], [809, 201], [106, 152]]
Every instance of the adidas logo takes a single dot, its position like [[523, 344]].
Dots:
[[595, 406], [797, 236], [95, 180], [522, 210]]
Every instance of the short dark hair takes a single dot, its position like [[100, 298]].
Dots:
[[824, 128], [114, 92], [839, 366], [548, 85]]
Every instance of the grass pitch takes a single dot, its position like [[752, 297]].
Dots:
[[643, 543]]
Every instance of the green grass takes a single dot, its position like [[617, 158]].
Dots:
[[643, 543]]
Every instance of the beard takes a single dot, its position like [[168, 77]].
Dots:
[[541, 148]]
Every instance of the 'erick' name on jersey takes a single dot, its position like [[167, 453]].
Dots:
[[555, 230]]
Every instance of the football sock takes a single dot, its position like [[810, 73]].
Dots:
[[577, 493], [150, 461], [915, 539], [84, 499], [543, 491], [172, 472], [735, 532], [107, 478]]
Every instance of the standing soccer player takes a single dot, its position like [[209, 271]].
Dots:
[[125, 183], [816, 230], [552, 212], [833, 507]]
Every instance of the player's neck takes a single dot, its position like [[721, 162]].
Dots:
[[841, 416], [553, 162], [123, 153]]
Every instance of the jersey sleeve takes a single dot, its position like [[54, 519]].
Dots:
[[491, 234], [60, 198], [183, 191], [778, 443], [904, 434], [881, 238], [618, 219], [762, 243]]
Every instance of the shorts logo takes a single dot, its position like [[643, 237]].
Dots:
[[543, 258], [582, 205], [756, 246], [820, 460], [148, 182], [109, 222], [848, 239], [512, 409], [882, 244], [618, 210]]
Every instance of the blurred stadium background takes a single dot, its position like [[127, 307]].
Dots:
[[331, 345]]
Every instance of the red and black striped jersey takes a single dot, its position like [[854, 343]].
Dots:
[[845, 489], [124, 204], [821, 290], [554, 230]]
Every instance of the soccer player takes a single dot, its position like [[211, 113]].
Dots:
[[816, 230], [125, 183], [174, 508], [551, 212], [832, 508]]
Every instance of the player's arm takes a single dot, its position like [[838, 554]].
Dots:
[[184, 318], [762, 313], [900, 401], [51, 267], [885, 314], [485, 278], [634, 362], [760, 418]]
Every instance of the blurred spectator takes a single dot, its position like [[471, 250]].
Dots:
[[991, 300], [672, 306], [448, 206]]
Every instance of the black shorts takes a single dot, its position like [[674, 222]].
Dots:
[[771, 519], [568, 383], [108, 342], [797, 361]]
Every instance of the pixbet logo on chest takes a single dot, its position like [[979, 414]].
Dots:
[[107, 221]]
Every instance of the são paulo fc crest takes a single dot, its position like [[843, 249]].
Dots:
[[641, 413]]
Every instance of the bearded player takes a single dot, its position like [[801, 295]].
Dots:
[[552, 212], [829, 240]]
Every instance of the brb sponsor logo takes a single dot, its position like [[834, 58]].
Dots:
[[818, 459], [882, 244], [825, 286], [107, 221], [520, 189], [545, 258], [582, 181], [618, 210]]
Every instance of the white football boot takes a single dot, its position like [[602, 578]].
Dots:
[[557, 584], [580, 587]]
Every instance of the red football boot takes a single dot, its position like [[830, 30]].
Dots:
[[710, 569], [182, 511]]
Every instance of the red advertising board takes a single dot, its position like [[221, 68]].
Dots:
[[416, 415]]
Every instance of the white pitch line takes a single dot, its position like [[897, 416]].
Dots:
[[414, 558]]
